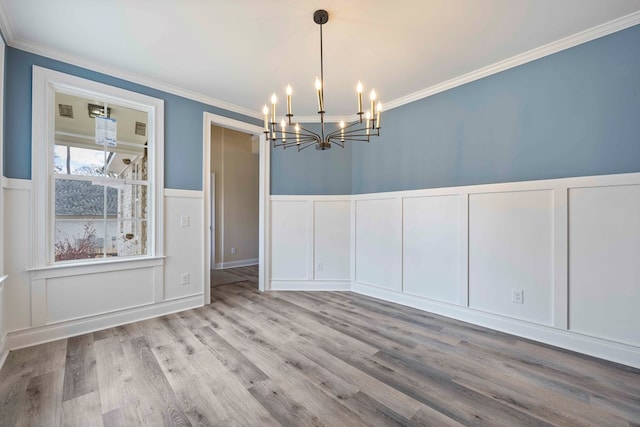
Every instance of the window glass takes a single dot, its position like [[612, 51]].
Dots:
[[100, 201]]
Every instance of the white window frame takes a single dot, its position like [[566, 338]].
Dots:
[[45, 85]]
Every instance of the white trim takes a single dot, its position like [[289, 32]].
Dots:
[[93, 267], [520, 59], [314, 198], [234, 264], [568, 42], [264, 235], [129, 76], [16, 184], [4, 350], [542, 184], [2, 279], [45, 84], [210, 119], [573, 341], [43, 334], [175, 192], [5, 24], [310, 285]]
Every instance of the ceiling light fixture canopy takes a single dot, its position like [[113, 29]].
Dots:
[[291, 134]]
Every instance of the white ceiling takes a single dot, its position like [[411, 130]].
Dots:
[[240, 51]]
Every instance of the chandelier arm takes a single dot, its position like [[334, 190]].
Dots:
[[310, 132], [357, 139], [346, 132], [279, 142], [307, 145]]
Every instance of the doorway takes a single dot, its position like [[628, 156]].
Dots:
[[263, 194]]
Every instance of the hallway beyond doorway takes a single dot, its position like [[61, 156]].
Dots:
[[240, 275]]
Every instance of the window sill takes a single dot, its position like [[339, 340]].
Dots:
[[92, 267]]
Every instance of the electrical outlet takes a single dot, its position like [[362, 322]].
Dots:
[[184, 221], [233, 251], [320, 266], [184, 279], [517, 296]]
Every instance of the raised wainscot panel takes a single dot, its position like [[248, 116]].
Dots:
[[379, 243], [183, 247], [332, 242], [289, 240], [431, 247], [511, 249], [604, 262], [80, 296]]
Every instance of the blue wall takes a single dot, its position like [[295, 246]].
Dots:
[[311, 171], [183, 120], [574, 113]]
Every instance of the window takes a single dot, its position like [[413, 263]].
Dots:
[[96, 171]]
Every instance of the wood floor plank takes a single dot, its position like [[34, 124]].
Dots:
[[158, 405], [283, 407], [43, 401], [80, 375], [309, 359], [240, 405], [197, 400], [231, 358], [126, 415], [82, 411], [115, 375]]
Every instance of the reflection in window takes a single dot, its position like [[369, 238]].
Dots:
[[101, 192]]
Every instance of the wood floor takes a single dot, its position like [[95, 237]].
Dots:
[[307, 359]]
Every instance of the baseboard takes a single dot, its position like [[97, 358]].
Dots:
[[43, 334], [608, 350], [310, 285], [234, 264], [4, 351]]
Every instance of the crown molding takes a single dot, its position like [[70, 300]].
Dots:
[[131, 77], [531, 55], [559, 45], [6, 28]]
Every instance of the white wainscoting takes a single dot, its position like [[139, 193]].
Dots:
[[431, 233], [183, 246], [571, 245], [378, 243], [604, 262], [310, 243], [3, 330], [510, 248], [57, 302]]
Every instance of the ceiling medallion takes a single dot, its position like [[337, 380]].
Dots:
[[290, 134]]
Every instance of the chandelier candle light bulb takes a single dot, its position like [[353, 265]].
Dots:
[[320, 100], [289, 114], [265, 111], [274, 99], [372, 97], [359, 89], [368, 121], [324, 138]]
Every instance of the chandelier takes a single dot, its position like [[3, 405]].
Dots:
[[288, 133]]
